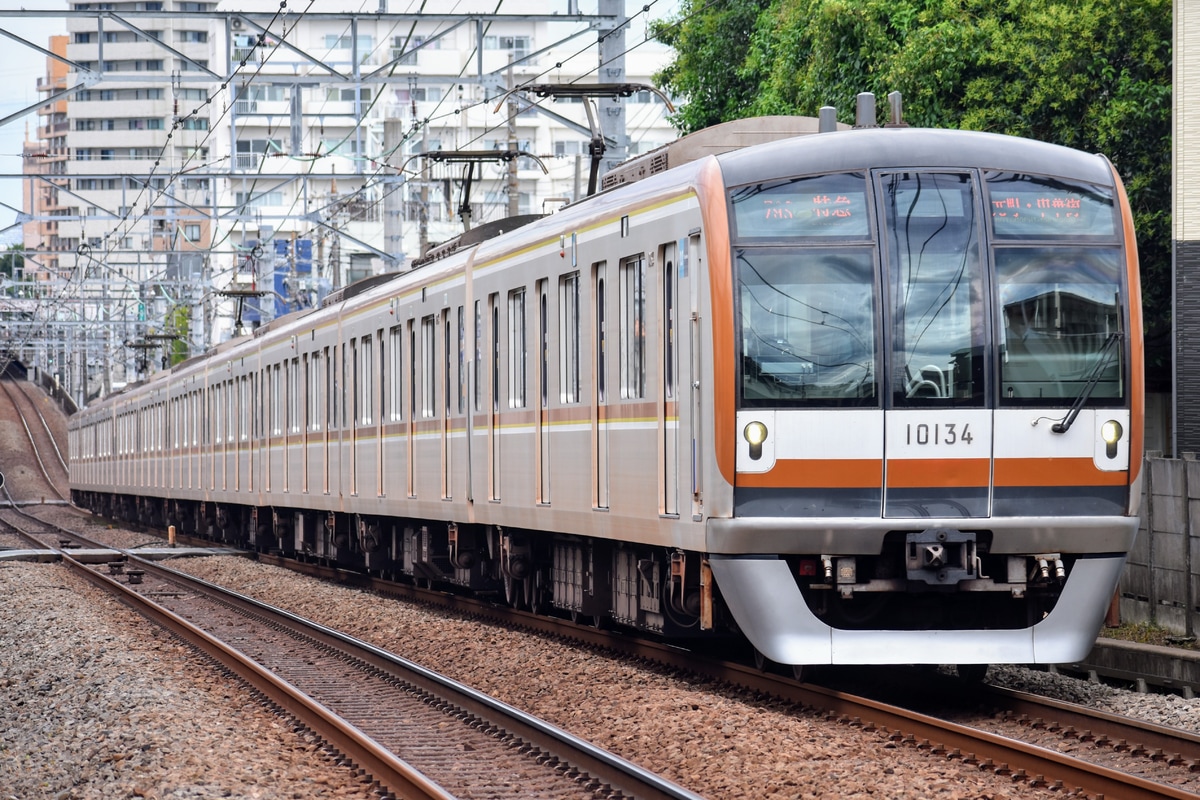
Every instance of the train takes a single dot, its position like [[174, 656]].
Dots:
[[853, 395]]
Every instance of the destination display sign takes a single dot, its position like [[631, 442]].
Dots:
[[822, 207], [1024, 206]]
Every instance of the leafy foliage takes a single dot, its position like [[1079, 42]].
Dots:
[[179, 323], [1090, 74], [12, 266]]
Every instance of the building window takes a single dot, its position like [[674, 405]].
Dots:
[[191, 231], [519, 46], [253, 200], [336, 94]]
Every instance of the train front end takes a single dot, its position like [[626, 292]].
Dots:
[[929, 398]]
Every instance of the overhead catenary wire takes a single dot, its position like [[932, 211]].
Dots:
[[370, 189]]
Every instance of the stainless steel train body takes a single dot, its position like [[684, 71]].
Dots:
[[871, 396]]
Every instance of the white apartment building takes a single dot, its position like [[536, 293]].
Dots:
[[225, 166]]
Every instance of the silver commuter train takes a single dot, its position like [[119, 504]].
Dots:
[[868, 396]]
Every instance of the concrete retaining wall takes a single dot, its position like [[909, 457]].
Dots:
[[1160, 584]]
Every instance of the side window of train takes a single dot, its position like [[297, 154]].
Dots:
[[667, 259], [447, 369], [494, 310], [277, 399], [294, 396], [480, 339], [462, 360], [330, 359], [429, 366], [243, 408], [568, 337], [396, 373], [412, 371], [367, 370], [341, 386], [312, 384], [381, 381], [355, 406], [632, 324], [517, 350], [601, 341], [543, 342]]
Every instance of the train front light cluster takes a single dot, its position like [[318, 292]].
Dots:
[[1111, 432], [756, 434]]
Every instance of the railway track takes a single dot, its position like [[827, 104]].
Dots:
[[1032, 741], [416, 733], [1096, 754], [39, 478], [23, 531]]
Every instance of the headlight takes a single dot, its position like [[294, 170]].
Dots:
[[1111, 432], [756, 434]]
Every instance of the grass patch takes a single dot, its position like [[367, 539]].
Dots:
[[1145, 633]]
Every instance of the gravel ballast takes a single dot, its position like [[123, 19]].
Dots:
[[95, 702]]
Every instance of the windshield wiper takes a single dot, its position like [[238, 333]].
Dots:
[[1064, 425]]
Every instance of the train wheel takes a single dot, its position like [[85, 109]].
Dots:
[[533, 598], [800, 672], [760, 661], [971, 673]]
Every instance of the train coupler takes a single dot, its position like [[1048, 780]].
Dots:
[[940, 556]]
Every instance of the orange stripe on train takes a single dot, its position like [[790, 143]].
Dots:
[[829, 473], [1054, 472], [946, 472]]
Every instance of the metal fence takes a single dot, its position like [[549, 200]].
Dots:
[[1160, 584]]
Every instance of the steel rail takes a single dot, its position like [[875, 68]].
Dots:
[[388, 770], [1025, 761], [29, 434], [45, 426], [601, 764], [1151, 736]]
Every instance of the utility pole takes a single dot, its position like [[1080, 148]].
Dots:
[[514, 198], [424, 212], [612, 70]]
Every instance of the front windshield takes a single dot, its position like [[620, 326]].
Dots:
[[807, 326], [936, 276], [1059, 306]]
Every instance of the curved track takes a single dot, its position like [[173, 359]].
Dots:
[[38, 475]]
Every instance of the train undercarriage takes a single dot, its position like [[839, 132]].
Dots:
[[658, 590], [662, 591]]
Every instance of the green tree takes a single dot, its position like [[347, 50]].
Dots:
[[179, 323], [1090, 74], [711, 43], [12, 265]]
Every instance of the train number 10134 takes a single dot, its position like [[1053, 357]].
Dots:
[[938, 433]]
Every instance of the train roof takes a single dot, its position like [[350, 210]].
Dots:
[[715, 140], [880, 148]]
